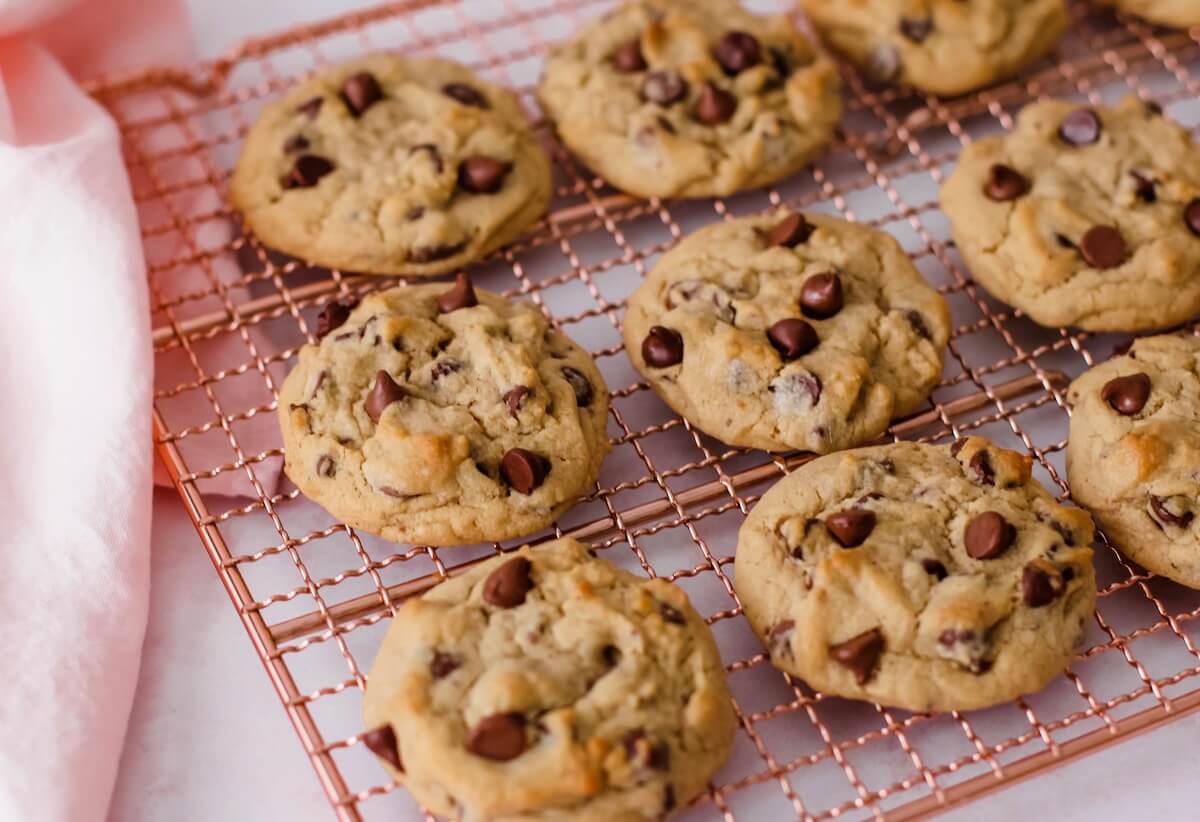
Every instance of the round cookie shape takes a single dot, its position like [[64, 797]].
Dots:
[[1083, 216], [392, 165], [549, 685], [788, 331], [1180, 14], [965, 583], [690, 98], [941, 46], [1133, 458], [442, 415]]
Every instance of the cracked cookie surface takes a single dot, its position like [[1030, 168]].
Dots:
[[1177, 13], [441, 415], [1133, 457], [926, 577], [1083, 216], [392, 165], [788, 331], [667, 98], [943, 46], [548, 685]]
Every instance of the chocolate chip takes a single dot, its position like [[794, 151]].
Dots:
[[1063, 531], [1103, 247], [935, 568], [431, 253], [435, 156], [482, 175], [1191, 216], [1005, 184], [792, 338], [1145, 187], [333, 315], [499, 737], [462, 295], [671, 614], [883, 63], [628, 57], [311, 108], [737, 51], [860, 654], [957, 446], [385, 392], [988, 535], [821, 296], [1039, 586], [668, 797], [467, 95], [662, 348], [415, 213], [916, 29], [639, 748], [381, 741], [507, 586], [523, 470], [715, 105], [851, 527], [579, 384], [1080, 128], [611, 655], [1127, 395], [513, 398], [325, 466], [780, 62], [443, 664], [444, 367], [981, 464], [1168, 517], [360, 92], [918, 324], [1063, 241], [664, 87], [306, 171], [791, 231], [297, 142]]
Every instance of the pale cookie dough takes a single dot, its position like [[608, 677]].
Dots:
[[691, 98], [930, 578], [945, 47], [1083, 216], [392, 165], [1177, 13], [788, 331], [439, 415], [1133, 458], [547, 685]]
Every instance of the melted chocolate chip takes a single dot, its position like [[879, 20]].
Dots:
[[1005, 184], [1168, 517], [306, 171], [916, 29], [860, 654], [1145, 187], [611, 655], [435, 157], [514, 397], [934, 568], [737, 51], [981, 464], [779, 639], [499, 737], [662, 347], [851, 527], [1191, 216], [640, 749], [1127, 395], [715, 105], [957, 446], [385, 392], [297, 142], [1040, 585], [671, 614], [462, 295], [792, 338], [628, 57], [333, 315], [325, 466], [584, 392], [523, 470], [988, 535], [443, 664], [311, 108], [467, 95], [381, 741], [1080, 128], [482, 175], [507, 586], [821, 296], [791, 231], [1103, 247], [444, 367], [360, 92], [431, 253]]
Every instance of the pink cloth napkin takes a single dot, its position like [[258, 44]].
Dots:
[[75, 391]]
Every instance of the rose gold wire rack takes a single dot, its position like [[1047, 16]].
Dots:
[[315, 596]]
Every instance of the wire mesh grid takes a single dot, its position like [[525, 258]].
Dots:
[[315, 596]]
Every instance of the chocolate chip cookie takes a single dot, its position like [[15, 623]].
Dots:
[[941, 46], [1133, 458], [392, 165], [690, 98], [1177, 13], [788, 331], [548, 685], [1083, 216], [443, 415], [930, 578]]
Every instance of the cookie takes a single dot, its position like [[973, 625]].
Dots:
[[392, 165], [1133, 458], [441, 415], [941, 46], [690, 98], [1177, 13], [925, 577], [548, 685], [1083, 216], [788, 331]]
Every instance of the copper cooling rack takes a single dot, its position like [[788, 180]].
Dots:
[[316, 597]]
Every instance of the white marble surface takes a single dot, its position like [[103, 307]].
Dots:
[[209, 740]]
